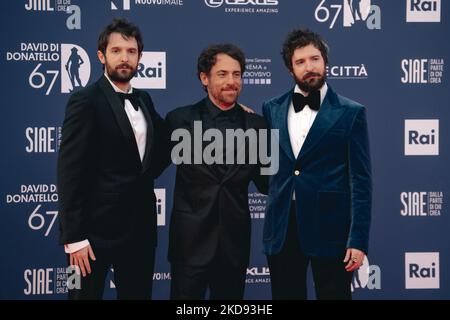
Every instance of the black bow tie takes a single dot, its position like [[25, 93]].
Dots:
[[312, 100], [133, 97]]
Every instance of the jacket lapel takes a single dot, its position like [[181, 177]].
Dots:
[[280, 122], [121, 117], [330, 111], [150, 135], [196, 115]]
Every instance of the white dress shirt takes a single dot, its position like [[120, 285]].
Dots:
[[139, 125], [299, 123]]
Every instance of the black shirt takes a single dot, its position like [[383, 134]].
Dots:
[[215, 118]]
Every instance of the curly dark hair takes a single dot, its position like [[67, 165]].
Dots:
[[207, 58], [300, 38], [125, 28]]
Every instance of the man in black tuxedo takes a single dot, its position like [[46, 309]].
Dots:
[[209, 243], [106, 167]]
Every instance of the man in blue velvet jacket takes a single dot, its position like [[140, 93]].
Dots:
[[319, 202]]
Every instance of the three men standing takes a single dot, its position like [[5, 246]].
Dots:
[[114, 145]]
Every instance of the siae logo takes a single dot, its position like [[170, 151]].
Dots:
[[414, 203], [42, 139], [422, 270], [73, 22], [421, 137], [414, 71], [422, 70], [354, 12], [423, 10], [151, 71], [421, 204], [38, 281], [39, 5]]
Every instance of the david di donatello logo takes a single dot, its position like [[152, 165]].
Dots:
[[354, 13], [49, 61]]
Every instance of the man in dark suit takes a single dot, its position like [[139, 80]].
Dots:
[[106, 167], [319, 202], [210, 226]]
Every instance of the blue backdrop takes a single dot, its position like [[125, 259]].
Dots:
[[389, 55]]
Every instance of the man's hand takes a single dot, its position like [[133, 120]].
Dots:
[[81, 257], [355, 259], [246, 109]]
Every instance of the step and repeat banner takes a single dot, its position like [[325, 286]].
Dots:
[[390, 56]]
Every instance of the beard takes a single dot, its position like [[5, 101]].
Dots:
[[311, 81], [230, 95], [122, 76], [225, 97]]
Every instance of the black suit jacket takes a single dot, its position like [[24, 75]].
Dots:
[[105, 191], [209, 212]]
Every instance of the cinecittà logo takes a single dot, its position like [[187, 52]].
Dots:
[[257, 71], [257, 205], [346, 72]]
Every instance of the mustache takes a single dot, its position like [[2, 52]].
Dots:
[[230, 88], [311, 74], [124, 66]]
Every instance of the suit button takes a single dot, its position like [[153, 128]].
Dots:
[[297, 172]]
